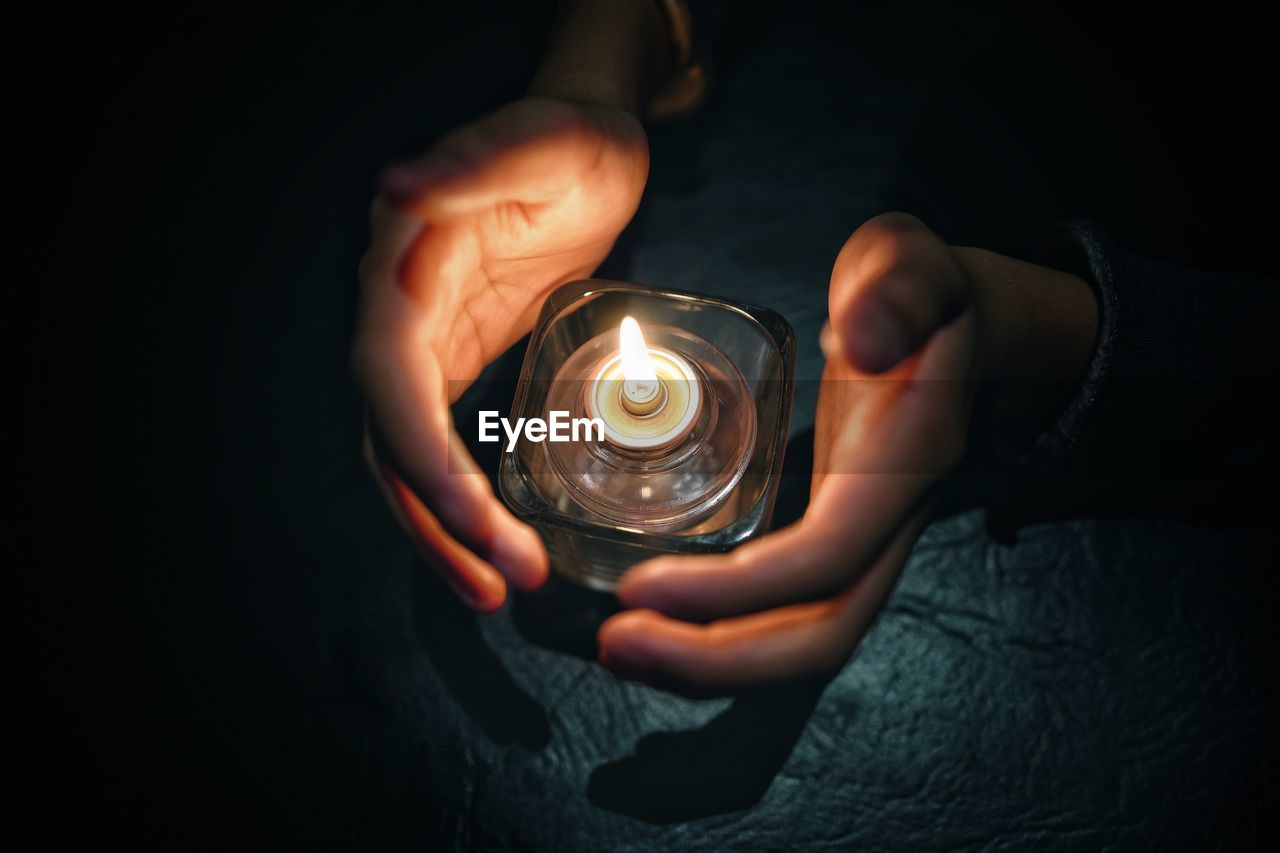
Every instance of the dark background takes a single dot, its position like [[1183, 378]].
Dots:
[[220, 637]]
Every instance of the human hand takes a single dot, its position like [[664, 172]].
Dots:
[[466, 243], [917, 328]]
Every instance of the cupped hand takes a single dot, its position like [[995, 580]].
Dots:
[[911, 334], [466, 243]]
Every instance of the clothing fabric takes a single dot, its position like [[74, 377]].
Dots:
[[1183, 373]]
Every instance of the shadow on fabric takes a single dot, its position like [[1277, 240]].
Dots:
[[471, 671], [726, 765]]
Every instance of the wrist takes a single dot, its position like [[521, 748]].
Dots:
[[1037, 331], [605, 52]]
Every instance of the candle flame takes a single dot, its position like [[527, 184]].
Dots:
[[636, 364]]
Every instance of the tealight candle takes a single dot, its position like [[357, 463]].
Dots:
[[693, 396], [647, 398]]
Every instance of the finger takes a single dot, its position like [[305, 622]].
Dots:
[[841, 533], [471, 517], [409, 400], [893, 285], [445, 479], [731, 655], [476, 582]]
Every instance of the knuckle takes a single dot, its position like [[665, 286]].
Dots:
[[882, 241], [887, 232], [895, 222], [888, 235]]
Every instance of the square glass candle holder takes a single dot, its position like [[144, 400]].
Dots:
[[699, 475]]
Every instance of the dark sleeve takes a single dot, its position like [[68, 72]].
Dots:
[[1175, 415], [1183, 378]]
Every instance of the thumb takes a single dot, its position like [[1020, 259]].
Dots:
[[894, 284]]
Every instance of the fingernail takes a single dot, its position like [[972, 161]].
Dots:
[[634, 584], [878, 339], [624, 660], [829, 341]]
